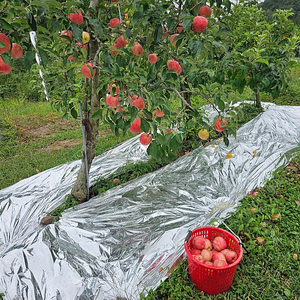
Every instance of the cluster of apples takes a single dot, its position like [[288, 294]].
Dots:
[[15, 50], [213, 253]]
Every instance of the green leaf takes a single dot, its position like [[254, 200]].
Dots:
[[187, 23], [174, 144], [226, 141], [145, 125], [74, 113], [98, 25], [39, 4], [152, 150], [29, 59], [77, 32], [6, 59], [128, 32], [53, 4], [261, 60], [6, 25], [121, 61], [170, 23], [44, 57], [97, 115], [158, 33]]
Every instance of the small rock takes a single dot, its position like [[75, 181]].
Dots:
[[47, 220]]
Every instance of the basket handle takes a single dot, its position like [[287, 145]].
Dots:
[[188, 236], [238, 238]]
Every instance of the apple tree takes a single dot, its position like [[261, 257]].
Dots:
[[137, 65]]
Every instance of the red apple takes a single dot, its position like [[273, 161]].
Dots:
[[152, 58], [145, 139], [169, 131], [67, 33], [224, 251], [4, 68], [231, 256], [199, 242], [114, 22], [113, 89], [179, 27], [86, 71], [174, 65], [220, 125], [219, 243], [209, 263], [136, 126], [113, 49], [119, 109], [172, 37], [218, 255], [120, 42], [205, 11], [199, 24], [139, 103], [112, 101], [195, 251], [85, 46], [71, 58], [208, 245], [165, 31], [199, 258], [76, 18], [16, 51], [206, 254], [137, 49], [159, 113], [220, 263], [5, 40]]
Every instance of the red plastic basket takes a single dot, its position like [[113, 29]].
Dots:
[[209, 279]]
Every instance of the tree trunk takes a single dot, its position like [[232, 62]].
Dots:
[[80, 189], [257, 99]]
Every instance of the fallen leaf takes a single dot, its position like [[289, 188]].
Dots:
[[253, 210], [297, 202], [291, 167], [228, 155], [295, 256], [275, 217], [260, 240], [38, 171], [160, 269]]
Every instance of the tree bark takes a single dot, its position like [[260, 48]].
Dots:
[[257, 99], [80, 189]]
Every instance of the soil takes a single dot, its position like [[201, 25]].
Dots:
[[36, 129]]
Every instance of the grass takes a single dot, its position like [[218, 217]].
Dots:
[[271, 269], [34, 137]]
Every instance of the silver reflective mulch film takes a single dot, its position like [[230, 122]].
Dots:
[[121, 244]]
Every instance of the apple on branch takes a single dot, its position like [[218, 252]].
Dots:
[[4, 68], [16, 51], [5, 40]]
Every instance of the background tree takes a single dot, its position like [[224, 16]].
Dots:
[[270, 7]]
